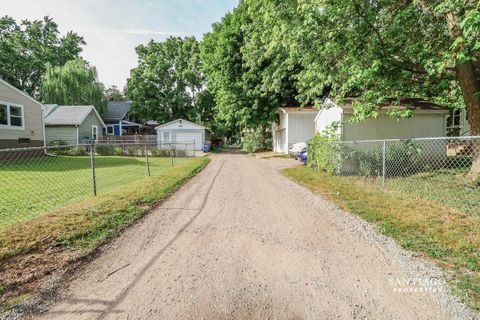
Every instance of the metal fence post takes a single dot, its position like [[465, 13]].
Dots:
[[171, 154], [384, 163], [92, 162], [148, 160]]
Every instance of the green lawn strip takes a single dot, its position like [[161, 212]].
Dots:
[[86, 223], [28, 189], [447, 236]]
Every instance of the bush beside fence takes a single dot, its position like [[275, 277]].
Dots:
[[437, 169]]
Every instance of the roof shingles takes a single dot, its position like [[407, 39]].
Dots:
[[68, 115]]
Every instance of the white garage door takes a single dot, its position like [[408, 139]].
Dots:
[[190, 137]]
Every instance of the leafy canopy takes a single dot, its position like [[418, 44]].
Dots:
[[168, 84], [26, 49], [75, 83]]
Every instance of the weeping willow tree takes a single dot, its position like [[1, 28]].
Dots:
[[75, 83]]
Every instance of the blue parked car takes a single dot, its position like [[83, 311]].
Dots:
[[303, 156]]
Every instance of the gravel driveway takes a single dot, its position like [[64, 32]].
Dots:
[[240, 241]]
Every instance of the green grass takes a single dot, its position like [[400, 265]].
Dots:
[[446, 235], [446, 186], [81, 226], [30, 188]]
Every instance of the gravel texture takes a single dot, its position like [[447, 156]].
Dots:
[[241, 241]]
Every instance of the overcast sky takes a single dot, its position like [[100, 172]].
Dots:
[[113, 28]]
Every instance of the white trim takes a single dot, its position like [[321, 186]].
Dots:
[[183, 120], [9, 126], [96, 114], [94, 126], [44, 131], [112, 126], [120, 127], [78, 133], [286, 147], [23, 93], [170, 136]]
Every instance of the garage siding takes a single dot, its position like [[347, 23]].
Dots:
[[178, 136]]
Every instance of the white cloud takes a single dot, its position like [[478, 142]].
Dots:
[[153, 32]]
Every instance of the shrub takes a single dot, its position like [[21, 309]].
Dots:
[[105, 150], [323, 151], [57, 143], [401, 158], [257, 141]]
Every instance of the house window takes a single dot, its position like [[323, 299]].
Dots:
[[11, 115], [167, 136], [457, 114], [110, 130], [95, 132]]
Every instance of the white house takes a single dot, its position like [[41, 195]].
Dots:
[[293, 125], [180, 130], [429, 120]]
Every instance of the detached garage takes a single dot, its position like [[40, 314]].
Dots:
[[183, 131]]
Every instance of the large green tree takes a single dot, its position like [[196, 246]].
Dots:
[[26, 48], [240, 71], [75, 83], [168, 82], [114, 94], [283, 51]]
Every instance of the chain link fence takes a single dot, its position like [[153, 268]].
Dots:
[[443, 170], [38, 180]]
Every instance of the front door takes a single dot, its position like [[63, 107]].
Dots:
[[116, 130]]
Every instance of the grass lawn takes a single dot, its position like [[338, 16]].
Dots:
[[32, 187], [446, 235], [53, 238]]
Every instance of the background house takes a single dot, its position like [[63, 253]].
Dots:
[[180, 130], [429, 120], [118, 121], [293, 125], [21, 120], [72, 124]]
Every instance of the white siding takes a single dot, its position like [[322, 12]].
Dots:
[[326, 117], [183, 125], [280, 134], [421, 125], [301, 126]]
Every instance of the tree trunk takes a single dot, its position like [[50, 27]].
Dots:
[[470, 85]]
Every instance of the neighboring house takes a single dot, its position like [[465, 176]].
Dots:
[[118, 121], [429, 120], [21, 120], [72, 124], [293, 125], [459, 125], [180, 130]]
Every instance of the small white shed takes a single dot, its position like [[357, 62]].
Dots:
[[293, 125], [429, 120], [183, 131]]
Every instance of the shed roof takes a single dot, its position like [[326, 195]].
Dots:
[[171, 122], [117, 110], [403, 104], [69, 115], [290, 109]]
